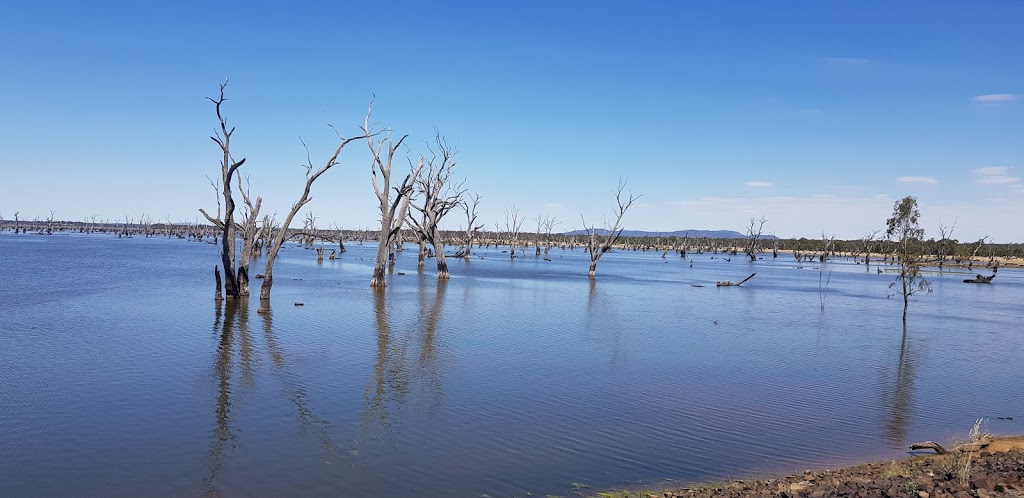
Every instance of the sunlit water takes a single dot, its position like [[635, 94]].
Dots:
[[119, 375]]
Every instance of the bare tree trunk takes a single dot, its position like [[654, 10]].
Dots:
[[216, 275], [442, 263], [600, 245], [392, 211], [379, 267]]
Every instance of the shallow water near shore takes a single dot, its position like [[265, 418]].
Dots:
[[119, 375]]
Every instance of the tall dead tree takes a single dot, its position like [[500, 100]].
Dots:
[[602, 243], [469, 205], [867, 242], [439, 197], [228, 166], [943, 250], [393, 211], [281, 233], [513, 225], [550, 222], [754, 237]]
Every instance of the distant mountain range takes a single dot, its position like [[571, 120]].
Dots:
[[693, 234]]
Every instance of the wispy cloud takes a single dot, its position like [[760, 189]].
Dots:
[[994, 98], [553, 205], [996, 175], [926, 180], [758, 184]]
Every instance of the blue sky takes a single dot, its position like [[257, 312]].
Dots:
[[816, 115]]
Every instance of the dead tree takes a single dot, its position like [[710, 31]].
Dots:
[[943, 250], [249, 235], [536, 238], [828, 246], [228, 166], [17, 222], [754, 237], [392, 211], [439, 197], [280, 234], [866, 242], [549, 225], [600, 244], [974, 254], [512, 226], [469, 205]]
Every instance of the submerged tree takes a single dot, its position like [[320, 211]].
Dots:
[[512, 226], [602, 243], [754, 230], [228, 166], [904, 231], [439, 197], [393, 212], [279, 236], [469, 205]]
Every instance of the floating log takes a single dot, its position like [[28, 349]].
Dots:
[[729, 283], [979, 279]]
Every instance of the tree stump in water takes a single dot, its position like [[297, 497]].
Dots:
[[216, 274]]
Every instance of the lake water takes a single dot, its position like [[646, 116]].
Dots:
[[119, 375]]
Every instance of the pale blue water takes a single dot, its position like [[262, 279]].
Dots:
[[119, 375]]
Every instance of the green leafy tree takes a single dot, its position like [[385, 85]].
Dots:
[[904, 231]]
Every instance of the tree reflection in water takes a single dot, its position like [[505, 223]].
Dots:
[[897, 397], [232, 322], [393, 377]]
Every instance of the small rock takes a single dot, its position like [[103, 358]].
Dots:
[[922, 494]]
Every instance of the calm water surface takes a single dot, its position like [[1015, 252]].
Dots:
[[119, 375]]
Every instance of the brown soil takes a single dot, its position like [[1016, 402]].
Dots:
[[996, 471]]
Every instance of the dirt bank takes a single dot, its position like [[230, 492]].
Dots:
[[995, 471]]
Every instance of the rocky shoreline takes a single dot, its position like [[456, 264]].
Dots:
[[997, 470]]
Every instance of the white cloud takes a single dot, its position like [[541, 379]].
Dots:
[[927, 180], [995, 175], [553, 205], [994, 98], [758, 184]]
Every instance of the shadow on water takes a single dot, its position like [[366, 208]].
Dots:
[[897, 396]]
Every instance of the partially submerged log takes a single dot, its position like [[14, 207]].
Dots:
[[979, 279], [929, 445], [729, 283], [960, 448]]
